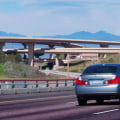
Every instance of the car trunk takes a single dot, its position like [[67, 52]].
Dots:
[[97, 79]]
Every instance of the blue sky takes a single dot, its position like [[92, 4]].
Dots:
[[56, 17]]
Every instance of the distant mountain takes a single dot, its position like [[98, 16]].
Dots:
[[101, 35], [5, 34]]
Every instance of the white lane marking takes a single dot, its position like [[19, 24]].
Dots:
[[106, 111], [72, 102]]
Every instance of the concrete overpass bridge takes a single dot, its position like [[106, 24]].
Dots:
[[85, 53], [67, 50], [30, 42]]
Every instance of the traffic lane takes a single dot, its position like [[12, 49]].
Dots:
[[18, 108], [56, 108], [35, 95], [62, 111], [31, 103]]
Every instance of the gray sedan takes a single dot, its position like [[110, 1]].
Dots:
[[98, 82]]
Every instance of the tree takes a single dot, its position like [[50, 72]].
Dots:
[[2, 57], [18, 58]]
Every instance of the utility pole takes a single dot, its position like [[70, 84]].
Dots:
[[68, 65]]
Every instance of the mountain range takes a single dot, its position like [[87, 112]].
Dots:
[[5, 34], [101, 35]]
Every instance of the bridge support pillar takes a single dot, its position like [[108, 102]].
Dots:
[[25, 47], [68, 64], [51, 47], [57, 62], [31, 54], [104, 46], [1, 46]]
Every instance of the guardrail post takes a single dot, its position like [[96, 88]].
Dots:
[[65, 83], [0, 85], [57, 83], [36, 84], [13, 84], [73, 82], [25, 84], [47, 84]]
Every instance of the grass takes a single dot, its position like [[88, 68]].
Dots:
[[2, 71], [79, 66]]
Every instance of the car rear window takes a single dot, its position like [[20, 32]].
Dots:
[[101, 69]]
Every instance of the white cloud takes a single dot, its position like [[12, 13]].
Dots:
[[50, 19]]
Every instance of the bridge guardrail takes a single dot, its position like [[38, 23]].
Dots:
[[35, 83]]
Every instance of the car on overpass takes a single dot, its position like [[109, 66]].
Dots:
[[98, 82]]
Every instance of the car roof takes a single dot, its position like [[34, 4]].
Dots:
[[105, 64]]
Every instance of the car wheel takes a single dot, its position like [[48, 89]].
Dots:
[[100, 101], [82, 101]]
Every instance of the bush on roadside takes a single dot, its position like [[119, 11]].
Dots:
[[2, 71], [19, 70], [14, 58], [2, 57]]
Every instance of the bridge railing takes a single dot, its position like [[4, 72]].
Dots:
[[35, 83]]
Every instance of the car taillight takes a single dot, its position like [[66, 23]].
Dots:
[[116, 80], [81, 82]]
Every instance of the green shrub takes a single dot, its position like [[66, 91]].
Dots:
[[19, 70], [18, 58], [2, 57], [2, 70], [14, 58]]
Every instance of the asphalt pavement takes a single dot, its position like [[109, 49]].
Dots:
[[70, 74], [55, 106]]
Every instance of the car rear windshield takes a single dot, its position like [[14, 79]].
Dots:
[[101, 69]]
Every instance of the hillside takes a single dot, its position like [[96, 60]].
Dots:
[[79, 66]]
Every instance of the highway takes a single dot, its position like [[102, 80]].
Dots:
[[55, 106]]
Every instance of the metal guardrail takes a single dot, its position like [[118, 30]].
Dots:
[[35, 83]]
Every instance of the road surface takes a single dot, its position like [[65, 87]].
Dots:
[[70, 74], [55, 106]]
